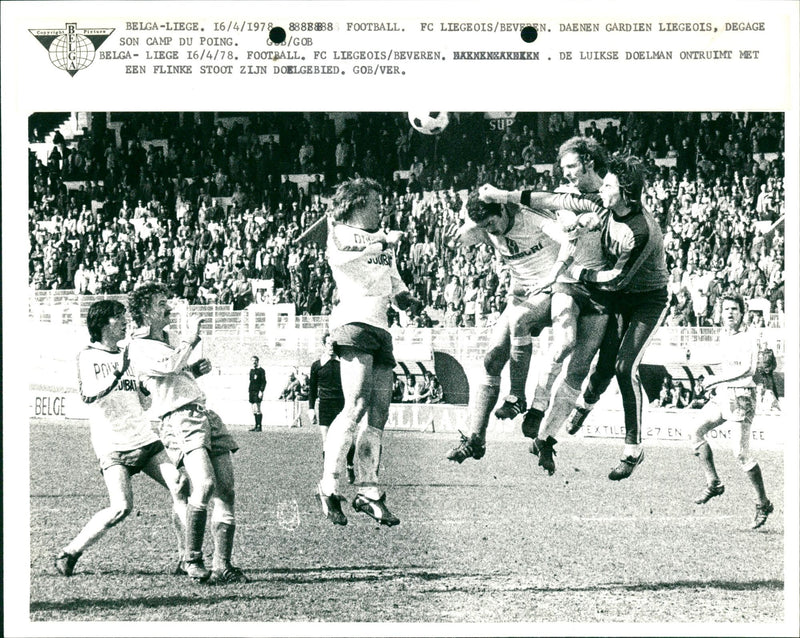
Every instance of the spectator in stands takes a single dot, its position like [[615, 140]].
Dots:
[[398, 389], [293, 389], [675, 319], [764, 378], [666, 396], [683, 395], [683, 307], [419, 389], [711, 215], [699, 393], [436, 392]]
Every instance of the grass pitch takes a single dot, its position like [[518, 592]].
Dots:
[[489, 541]]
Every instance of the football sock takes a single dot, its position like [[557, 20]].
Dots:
[[179, 526], [586, 402], [631, 449], [702, 451], [368, 459], [338, 441], [485, 399], [544, 385], [563, 402], [223, 544], [195, 532], [519, 364], [259, 418], [757, 481], [351, 453]]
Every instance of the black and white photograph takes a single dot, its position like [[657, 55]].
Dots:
[[316, 365]]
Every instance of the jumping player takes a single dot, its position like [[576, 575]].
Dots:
[[325, 397], [361, 258], [735, 401], [121, 434], [194, 436], [579, 314], [636, 281], [255, 392], [529, 242]]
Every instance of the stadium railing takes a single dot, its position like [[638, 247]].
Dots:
[[64, 307]]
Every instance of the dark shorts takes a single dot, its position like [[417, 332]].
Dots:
[[590, 301], [132, 460], [645, 306], [327, 411], [366, 338], [253, 397], [193, 427]]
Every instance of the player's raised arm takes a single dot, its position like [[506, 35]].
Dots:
[[541, 199]]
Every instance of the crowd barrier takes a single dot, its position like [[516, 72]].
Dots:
[[604, 422], [230, 339], [269, 338]]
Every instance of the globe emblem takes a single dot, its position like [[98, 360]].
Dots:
[[71, 52]]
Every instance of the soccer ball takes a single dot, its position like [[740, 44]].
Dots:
[[429, 123]]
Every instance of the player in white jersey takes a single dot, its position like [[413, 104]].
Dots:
[[579, 314], [361, 259], [194, 436], [528, 242], [122, 436], [735, 402]]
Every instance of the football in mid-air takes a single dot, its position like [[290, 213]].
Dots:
[[429, 122]]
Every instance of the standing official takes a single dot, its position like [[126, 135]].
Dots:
[[255, 391], [325, 397]]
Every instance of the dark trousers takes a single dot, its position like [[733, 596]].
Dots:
[[636, 316]]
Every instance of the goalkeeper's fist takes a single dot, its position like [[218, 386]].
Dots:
[[491, 195]]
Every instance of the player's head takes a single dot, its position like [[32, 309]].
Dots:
[[106, 313], [493, 218], [732, 312], [327, 343], [624, 183], [148, 305], [254, 361], [358, 196], [582, 161]]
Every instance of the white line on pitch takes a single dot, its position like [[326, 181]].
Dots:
[[685, 517]]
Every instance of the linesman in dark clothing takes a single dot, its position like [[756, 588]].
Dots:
[[325, 397], [255, 391]]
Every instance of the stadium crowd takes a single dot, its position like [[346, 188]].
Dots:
[[424, 388], [206, 205]]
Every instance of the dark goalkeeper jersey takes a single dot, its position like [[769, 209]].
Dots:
[[635, 249], [325, 382]]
